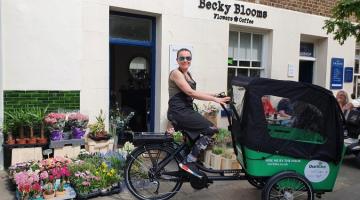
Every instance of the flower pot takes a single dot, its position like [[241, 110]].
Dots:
[[32, 141], [78, 133], [21, 141], [49, 196], [10, 141], [60, 193], [42, 140], [56, 135], [66, 135]]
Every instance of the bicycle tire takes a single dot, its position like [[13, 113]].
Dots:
[[142, 156]]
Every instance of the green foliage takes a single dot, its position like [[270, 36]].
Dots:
[[28, 116], [178, 137], [222, 136], [99, 125], [37, 115], [218, 150], [340, 24]]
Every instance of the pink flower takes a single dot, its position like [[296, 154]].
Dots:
[[85, 183], [44, 175], [36, 187]]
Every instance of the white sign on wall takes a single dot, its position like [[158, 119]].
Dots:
[[291, 70], [172, 54]]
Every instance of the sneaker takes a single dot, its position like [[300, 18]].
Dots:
[[190, 168]]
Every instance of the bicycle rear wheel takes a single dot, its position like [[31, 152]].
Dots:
[[139, 176]]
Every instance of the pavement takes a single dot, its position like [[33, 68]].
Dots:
[[347, 187]]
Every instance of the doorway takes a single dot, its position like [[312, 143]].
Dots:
[[306, 70], [132, 71], [130, 83]]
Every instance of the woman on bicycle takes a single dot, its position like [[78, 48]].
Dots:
[[182, 92]]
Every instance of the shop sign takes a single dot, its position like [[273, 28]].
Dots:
[[337, 73], [306, 49], [349, 72], [235, 12]]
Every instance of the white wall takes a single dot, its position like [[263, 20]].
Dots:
[[64, 44], [42, 44]]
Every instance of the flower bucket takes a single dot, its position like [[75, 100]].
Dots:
[[56, 135], [77, 133]]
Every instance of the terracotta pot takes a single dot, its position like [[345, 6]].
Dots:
[[32, 141], [42, 140], [21, 141], [12, 141], [49, 196]]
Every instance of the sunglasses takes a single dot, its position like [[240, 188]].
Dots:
[[182, 58]]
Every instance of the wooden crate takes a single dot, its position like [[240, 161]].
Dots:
[[99, 146], [218, 162], [25, 154], [67, 148]]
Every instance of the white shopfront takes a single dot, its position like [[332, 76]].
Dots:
[[68, 45]]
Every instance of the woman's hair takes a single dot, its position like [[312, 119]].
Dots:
[[342, 92], [182, 49]]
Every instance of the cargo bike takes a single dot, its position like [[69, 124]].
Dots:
[[292, 156]]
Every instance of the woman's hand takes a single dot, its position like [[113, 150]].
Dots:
[[222, 100]]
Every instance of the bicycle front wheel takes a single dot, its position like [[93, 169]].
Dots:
[[140, 178]]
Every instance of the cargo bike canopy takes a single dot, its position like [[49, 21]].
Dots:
[[287, 118]]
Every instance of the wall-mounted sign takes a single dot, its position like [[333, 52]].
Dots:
[[172, 54], [337, 73], [349, 72], [291, 70], [306, 49], [235, 12]]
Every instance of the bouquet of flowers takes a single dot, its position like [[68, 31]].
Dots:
[[78, 123], [55, 123]]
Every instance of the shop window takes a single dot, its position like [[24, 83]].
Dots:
[[244, 55], [130, 28]]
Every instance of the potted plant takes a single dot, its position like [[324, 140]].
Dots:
[[210, 111], [119, 123], [6, 129], [38, 115], [27, 184], [97, 129], [17, 118], [61, 173], [29, 122], [78, 123], [55, 123]]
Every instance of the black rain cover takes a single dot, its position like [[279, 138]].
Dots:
[[252, 130]]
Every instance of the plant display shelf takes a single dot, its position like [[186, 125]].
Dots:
[[16, 153], [70, 194], [67, 148], [93, 146], [114, 190]]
